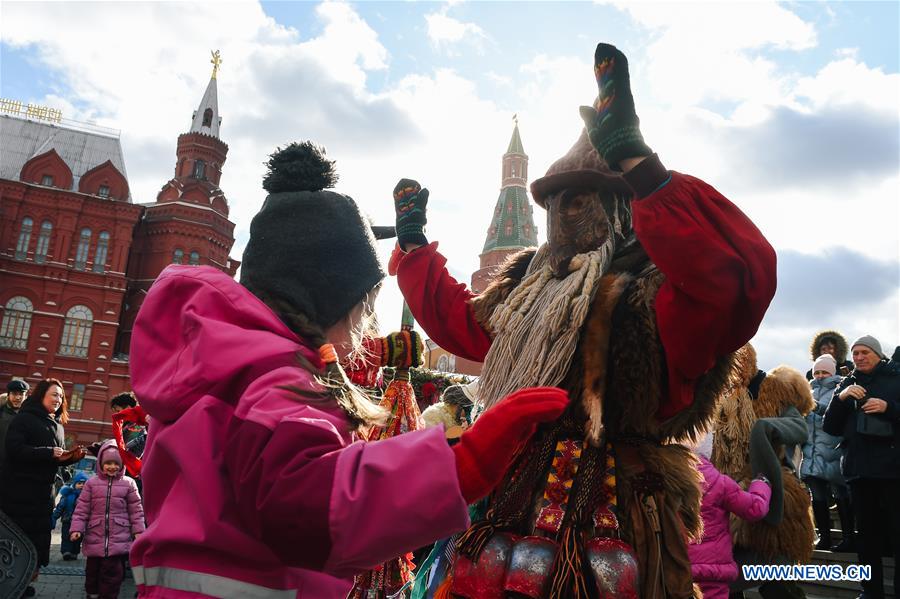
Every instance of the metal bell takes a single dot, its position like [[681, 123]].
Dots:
[[529, 567], [483, 579], [615, 568]]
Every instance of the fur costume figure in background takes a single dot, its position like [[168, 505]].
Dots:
[[631, 308], [757, 423], [454, 411]]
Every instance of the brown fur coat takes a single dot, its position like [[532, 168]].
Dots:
[[737, 412]]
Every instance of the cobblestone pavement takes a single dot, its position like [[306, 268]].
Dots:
[[65, 580]]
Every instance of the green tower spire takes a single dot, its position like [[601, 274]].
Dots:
[[512, 226]]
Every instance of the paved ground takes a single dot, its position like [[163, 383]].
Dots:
[[65, 580]]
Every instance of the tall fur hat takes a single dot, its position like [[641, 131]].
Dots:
[[581, 167]]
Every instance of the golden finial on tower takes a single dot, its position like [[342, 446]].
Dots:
[[216, 61], [516, 119]]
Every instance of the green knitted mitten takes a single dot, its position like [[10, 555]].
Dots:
[[410, 201], [612, 124]]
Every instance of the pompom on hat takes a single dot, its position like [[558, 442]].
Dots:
[[825, 362], [310, 247]]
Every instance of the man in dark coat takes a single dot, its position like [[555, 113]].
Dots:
[[865, 410], [15, 394]]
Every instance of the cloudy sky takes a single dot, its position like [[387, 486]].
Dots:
[[789, 109]]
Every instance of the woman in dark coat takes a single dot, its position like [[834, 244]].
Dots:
[[35, 449]]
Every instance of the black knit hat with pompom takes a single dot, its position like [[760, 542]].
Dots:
[[310, 247]]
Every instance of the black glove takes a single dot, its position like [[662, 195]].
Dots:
[[612, 124], [410, 201]]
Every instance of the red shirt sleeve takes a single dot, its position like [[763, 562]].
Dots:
[[441, 304], [720, 278]]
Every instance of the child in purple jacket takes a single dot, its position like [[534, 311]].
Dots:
[[108, 516], [712, 562]]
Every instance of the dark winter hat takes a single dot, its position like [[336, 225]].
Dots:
[[310, 247], [870, 342], [17, 386]]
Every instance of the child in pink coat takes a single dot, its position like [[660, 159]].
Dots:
[[108, 515], [712, 562]]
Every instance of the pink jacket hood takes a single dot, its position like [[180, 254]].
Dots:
[[108, 450], [198, 312]]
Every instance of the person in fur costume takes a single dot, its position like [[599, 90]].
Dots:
[[835, 345], [757, 425], [453, 412], [650, 279]]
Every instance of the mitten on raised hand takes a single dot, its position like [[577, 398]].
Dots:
[[486, 451], [410, 201], [612, 123]]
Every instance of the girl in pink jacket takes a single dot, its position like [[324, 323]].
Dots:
[[712, 561], [255, 482], [108, 515]]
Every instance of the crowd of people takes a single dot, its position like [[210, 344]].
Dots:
[[100, 515], [597, 442]]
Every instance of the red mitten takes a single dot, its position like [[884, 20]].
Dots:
[[486, 451]]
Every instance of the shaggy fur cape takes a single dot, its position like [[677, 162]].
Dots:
[[784, 391], [617, 379]]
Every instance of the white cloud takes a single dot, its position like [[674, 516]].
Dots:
[[682, 71], [445, 32], [847, 82]]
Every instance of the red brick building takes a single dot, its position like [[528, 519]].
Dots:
[[77, 254]]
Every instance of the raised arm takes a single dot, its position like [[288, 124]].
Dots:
[[357, 505], [439, 302], [720, 270]]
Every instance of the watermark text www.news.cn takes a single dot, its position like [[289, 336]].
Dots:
[[808, 572]]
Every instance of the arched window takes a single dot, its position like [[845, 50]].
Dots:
[[199, 169], [76, 335], [43, 243], [207, 117], [102, 251], [84, 246], [16, 323], [195, 258], [24, 239], [178, 256], [509, 228]]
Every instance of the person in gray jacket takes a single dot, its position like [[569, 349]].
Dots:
[[821, 465]]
